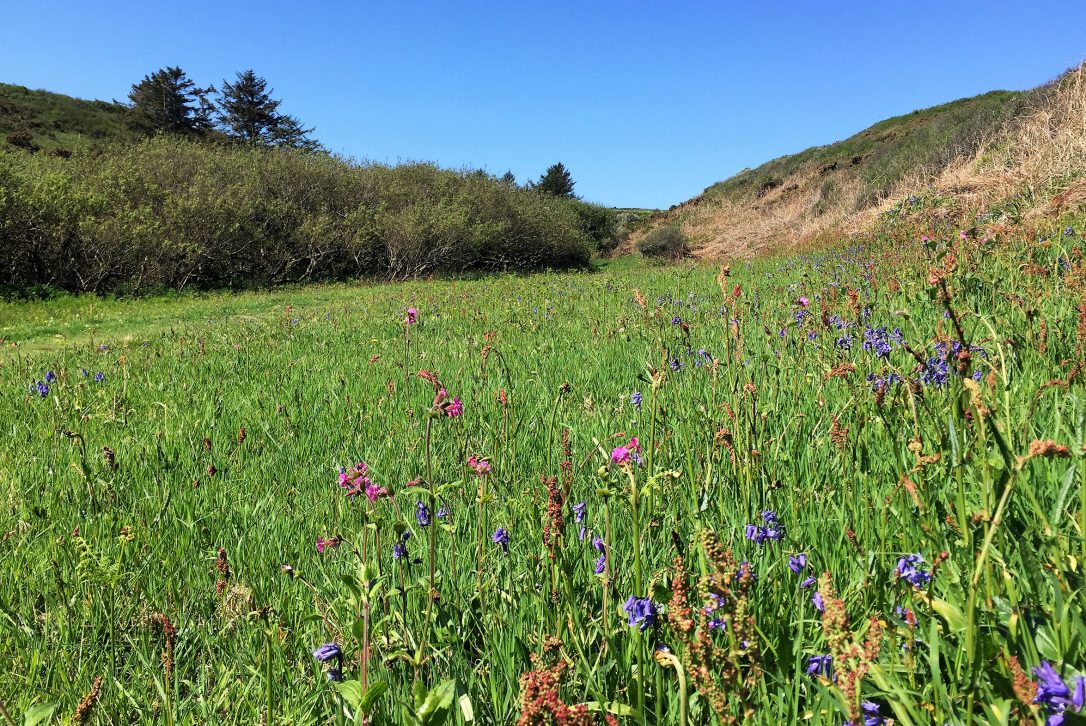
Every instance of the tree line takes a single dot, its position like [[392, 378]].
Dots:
[[168, 101]]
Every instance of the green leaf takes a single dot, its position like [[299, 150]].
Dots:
[[952, 614], [370, 698], [435, 707], [614, 707], [351, 692], [38, 714], [466, 709]]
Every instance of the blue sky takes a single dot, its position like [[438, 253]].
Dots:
[[646, 103]]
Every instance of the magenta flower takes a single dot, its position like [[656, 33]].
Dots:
[[622, 454], [451, 407], [412, 316], [356, 480], [803, 302], [455, 409], [479, 465], [374, 492], [325, 544]]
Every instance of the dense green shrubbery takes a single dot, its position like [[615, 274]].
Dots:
[[167, 213], [664, 241]]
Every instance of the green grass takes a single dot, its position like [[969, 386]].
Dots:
[[882, 154], [58, 121], [94, 553]]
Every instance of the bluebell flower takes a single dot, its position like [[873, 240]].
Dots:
[[42, 388], [442, 512], [716, 602], [501, 537], [331, 652], [817, 601], [1068, 232], [50, 376], [328, 652], [85, 372], [908, 569], [641, 611], [797, 563], [772, 531], [635, 398], [578, 512], [422, 514], [99, 377], [820, 665], [676, 320], [1055, 695], [872, 717]]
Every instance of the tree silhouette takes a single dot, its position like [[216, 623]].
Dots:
[[247, 112], [557, 181], [167, 101]]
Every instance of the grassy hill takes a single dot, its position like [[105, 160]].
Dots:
[[982, 150], [55, 121]]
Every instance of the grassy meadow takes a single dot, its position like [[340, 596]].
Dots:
[[841, 486]]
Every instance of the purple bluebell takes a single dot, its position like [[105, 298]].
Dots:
[[716, 602], [501, 537], [578, 512], [635, 398], [820, 665], [771, 531], [797, 563], [50, 376], [641, 611], [1055, 695], [908, 569], [872, 716], [422, 514], [42, 388], [331, 652], [817, 601]]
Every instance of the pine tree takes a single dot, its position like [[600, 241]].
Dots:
[[509, 179], [557, 181], [167, 101], [247, 112]]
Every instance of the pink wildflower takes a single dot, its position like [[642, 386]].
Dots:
[[479, 465], [356, 479], [622, 454], [412, 316], [374, 492], [803, 302], [323, 544]]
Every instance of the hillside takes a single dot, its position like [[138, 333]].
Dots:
[[52, 121], [973, 147]]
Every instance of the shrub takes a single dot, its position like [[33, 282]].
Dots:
[[169, 213], [666, 241]]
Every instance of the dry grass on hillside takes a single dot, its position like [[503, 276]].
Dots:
[[1040, 155]]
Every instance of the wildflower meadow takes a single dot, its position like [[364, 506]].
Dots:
[[836, 487]]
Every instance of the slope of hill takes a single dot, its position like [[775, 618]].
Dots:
[[978, 148], [51, 121]]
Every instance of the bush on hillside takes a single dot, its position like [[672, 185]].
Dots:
[[666, 241], [168, 213]]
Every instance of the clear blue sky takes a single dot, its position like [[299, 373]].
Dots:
[[646, 103]]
